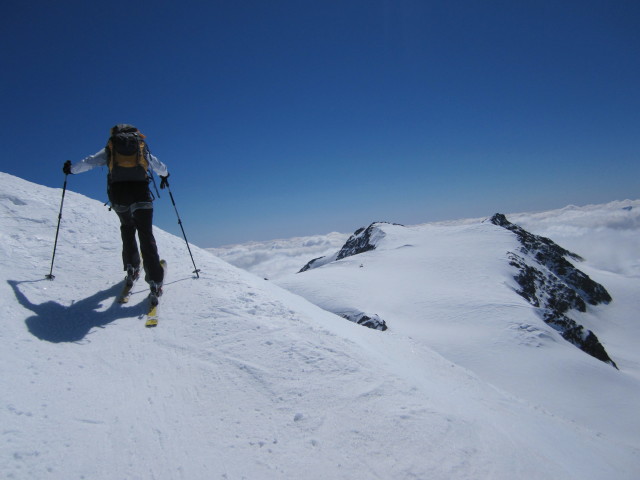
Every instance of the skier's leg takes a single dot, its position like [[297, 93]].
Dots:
[[143, 218], [130, 253]]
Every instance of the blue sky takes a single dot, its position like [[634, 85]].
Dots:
[[290, 118]]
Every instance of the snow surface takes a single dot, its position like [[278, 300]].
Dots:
[[243, 379], [451, 289]]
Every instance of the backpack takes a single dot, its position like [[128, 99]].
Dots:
[[127, 155]]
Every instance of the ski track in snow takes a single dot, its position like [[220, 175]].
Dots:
[[241, 379]]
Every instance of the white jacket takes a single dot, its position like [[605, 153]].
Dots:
[[99, 159]]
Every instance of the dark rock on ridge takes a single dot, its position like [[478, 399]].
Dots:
[[551, 283], [370, 321], [310, 264], [357, 243]]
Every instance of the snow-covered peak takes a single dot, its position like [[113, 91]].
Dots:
[[362, 240], [458, 289]]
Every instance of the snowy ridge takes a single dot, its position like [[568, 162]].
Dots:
[[555, 292], [452, 288], [243, 379], [555, 286]]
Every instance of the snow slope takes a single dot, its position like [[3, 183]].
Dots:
[[451, 288], [243, 379]]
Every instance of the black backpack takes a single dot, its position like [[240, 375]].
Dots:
[[127, 155]]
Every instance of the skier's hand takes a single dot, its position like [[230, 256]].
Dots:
[[67, 167], [164, 182]]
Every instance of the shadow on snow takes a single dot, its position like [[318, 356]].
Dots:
[[59, 323]]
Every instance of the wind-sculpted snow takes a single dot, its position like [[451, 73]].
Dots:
[[555, 286]]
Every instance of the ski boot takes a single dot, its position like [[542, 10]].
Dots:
[[132, 275], [155, 292]]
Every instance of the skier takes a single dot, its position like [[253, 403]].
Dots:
[[128, 158]]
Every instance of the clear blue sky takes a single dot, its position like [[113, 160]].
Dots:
[[289, 118]]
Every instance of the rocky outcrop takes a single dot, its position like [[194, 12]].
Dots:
[[362, 240], [312, 264], [552, 284], [366, 320], [359, 242]]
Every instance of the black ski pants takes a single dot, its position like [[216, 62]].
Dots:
[[132, 202], [139, 218]]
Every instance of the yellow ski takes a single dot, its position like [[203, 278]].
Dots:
[[152, 313], [152, 316]]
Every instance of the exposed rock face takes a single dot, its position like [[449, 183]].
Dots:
[[311, 264], [362, 240], [359, 242], [551, 283], [361, 318]]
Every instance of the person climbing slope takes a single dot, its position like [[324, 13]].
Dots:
[[129, 160]]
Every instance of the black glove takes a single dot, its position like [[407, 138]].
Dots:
[[164, 182], [67, 167]]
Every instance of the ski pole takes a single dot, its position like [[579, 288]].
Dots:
[[51, 276], [197, 270]]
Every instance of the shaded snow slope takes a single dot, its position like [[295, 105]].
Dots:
[[242, 379]]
